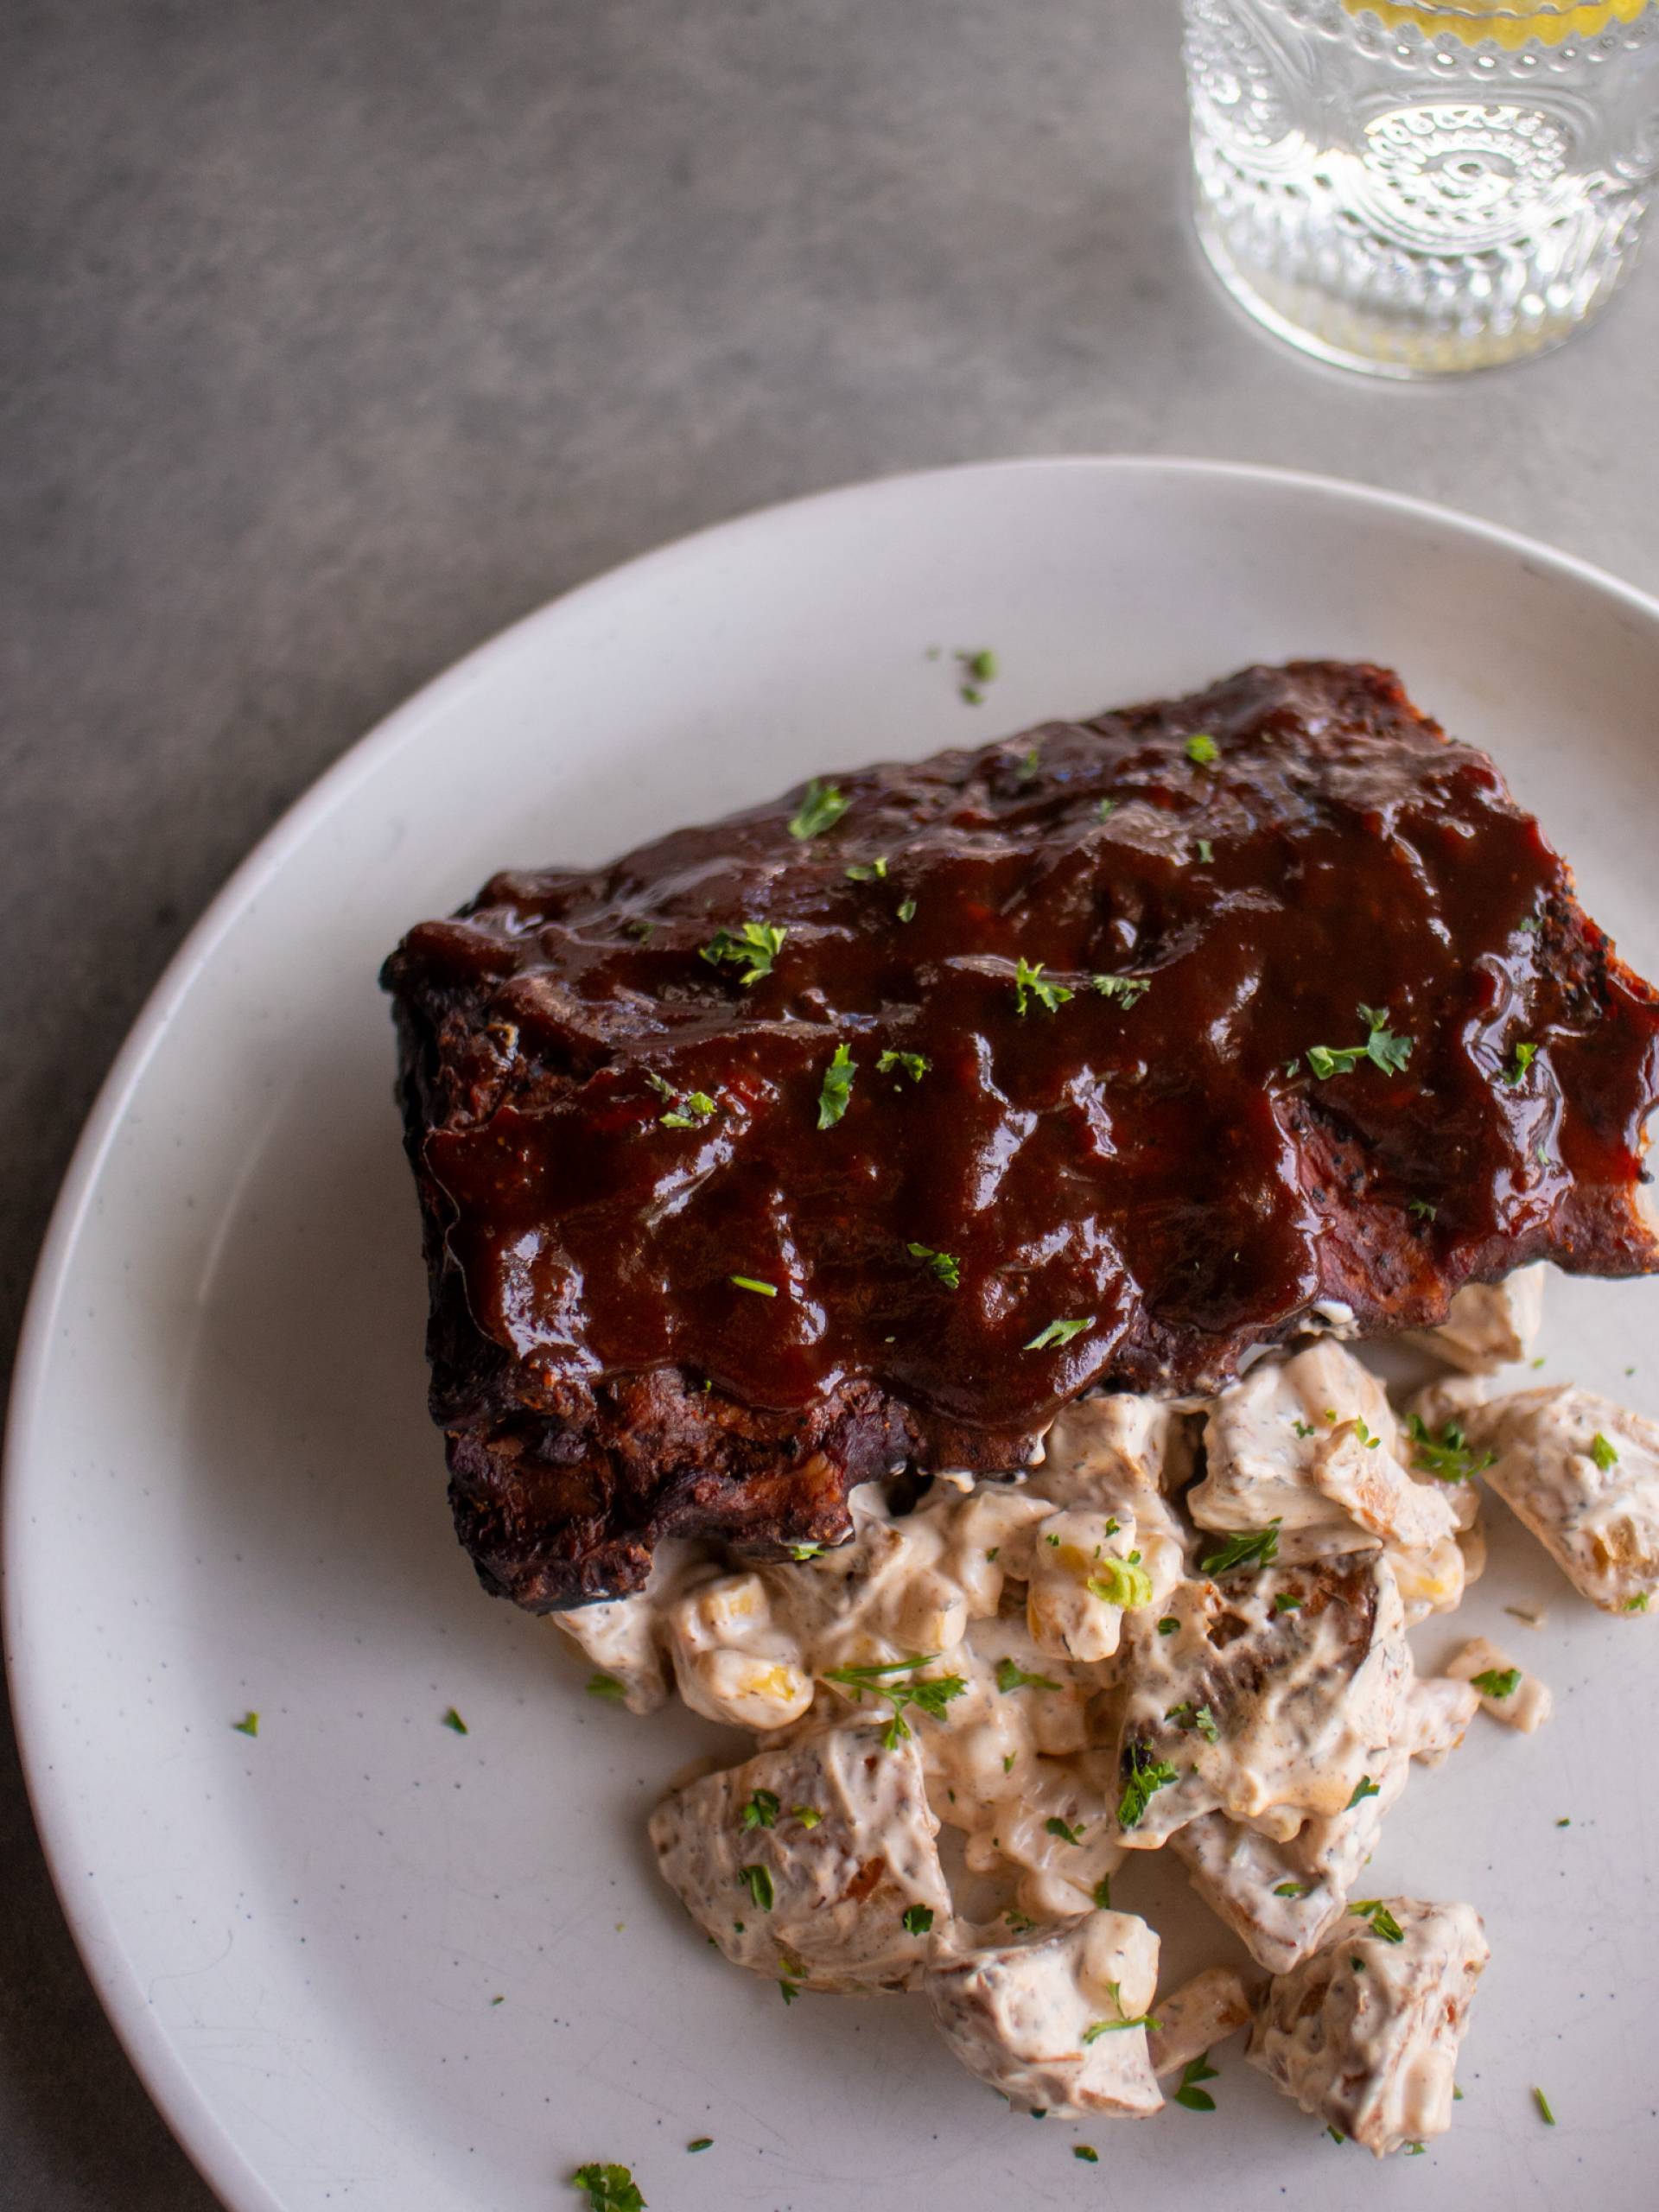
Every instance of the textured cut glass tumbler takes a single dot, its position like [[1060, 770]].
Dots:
[[1416, 189]]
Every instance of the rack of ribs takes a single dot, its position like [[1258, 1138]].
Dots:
[[866, 1129]]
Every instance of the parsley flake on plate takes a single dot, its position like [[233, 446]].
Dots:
[[1010, 1675], [700, 2142], [1144, 1777], [1126, 989], [1028, 984], [1363, 1788], [248, 1725], [758, 1882], [1059, 1333], [1189, 2094], [836, 1087], [1382, 1048], [755, 946], [1248, 1548], [946, 1265], [606, 1686], [1087, 2153], [1497, 1682], [914, 1065], [453, 1720], [820, 809], [1448, 1458], [610, 2189], [1544, 2112], [1384, 1926]]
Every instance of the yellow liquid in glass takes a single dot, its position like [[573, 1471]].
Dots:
[[1502, 21]]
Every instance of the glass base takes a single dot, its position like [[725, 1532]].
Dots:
[[1347, 338]]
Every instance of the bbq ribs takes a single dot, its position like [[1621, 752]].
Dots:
[[868, 1127]]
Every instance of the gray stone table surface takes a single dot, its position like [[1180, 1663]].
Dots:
[[338, 336]]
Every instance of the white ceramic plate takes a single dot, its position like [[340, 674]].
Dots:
[[223, 1492]]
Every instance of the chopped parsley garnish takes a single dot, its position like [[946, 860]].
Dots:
[[687, 1109], [1169, 1626], [1382, 1048], [906, 910], [1206, 853], [248, 1725], [930, 1693], [1030, 768], [1020, 1923], [822, 808], [1384, 1926], [1291, 1890], [1122, 1582], [453, 1720], [1202, 750], [1497, 1682], [1059, 1333], [1055, 1826], [1363, 1788], [1416, 2150], [1303, 1428], [700, 2142], [1126, 989], [918, 1919], [1284, 1603], [1336, 2135], [758, 1882], [836, 1087], [610, 2189], [1449, 1458], [801, 1553], [914, 1065], [1086, 2153], [762, 1810], [1107, 806], [1146, 1777], [1422, 1208], [1010, 1675], [1008, 1762], [753, 1282], [980, 667], [1103, 1894], [868, 871], [1639, 1604], [1028, 984], [807, 1815], [1250, 1548], [1544, 2112], [755, 946], [1189, 2094], [789, 1991], [1188, 1718], [1603, 1452], [1098, 2028], [946, 1265], [1515, 1073], [606, 1686]]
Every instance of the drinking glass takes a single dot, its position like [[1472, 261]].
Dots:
[[1419, 188]]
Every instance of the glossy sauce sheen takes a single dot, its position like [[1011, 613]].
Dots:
[[1170, 1171]]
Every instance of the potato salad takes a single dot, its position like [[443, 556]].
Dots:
[[1181, 1626]]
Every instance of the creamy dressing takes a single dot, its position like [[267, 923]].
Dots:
[[1366, 2033], [1040, 1665]]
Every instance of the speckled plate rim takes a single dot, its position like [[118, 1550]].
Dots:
[[95, 1927]]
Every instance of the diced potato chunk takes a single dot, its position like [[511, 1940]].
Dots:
[[1311, 1442], [1101, 1449], [1281, 1899], [1507, 1692], [1196, 2017], [1046, 2016], [1269, 1696], [1584, 1476], [620, 1637], [804, 1862], [1366, 2033], [1489, 1324], [731, 1660]]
